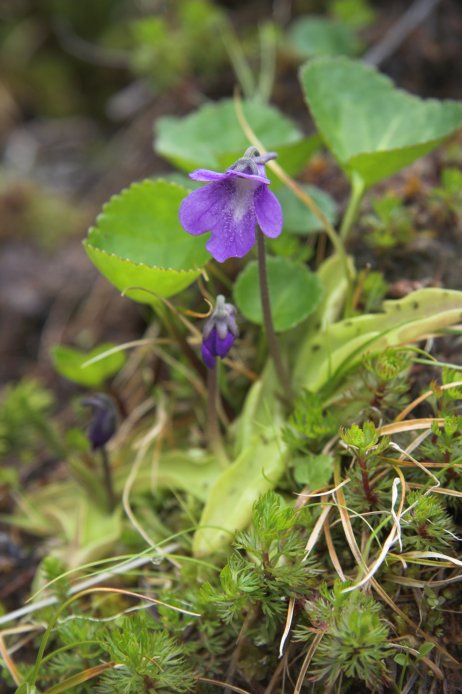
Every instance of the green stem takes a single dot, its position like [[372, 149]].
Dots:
[[358, 189], [268, 45], [273, 344], [107, 473], [239, 63], [213, 426]]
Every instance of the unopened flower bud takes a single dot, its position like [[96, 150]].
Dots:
[[220, 332], [103, 423]]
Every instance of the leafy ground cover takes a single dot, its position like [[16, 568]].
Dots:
[[284, 517]]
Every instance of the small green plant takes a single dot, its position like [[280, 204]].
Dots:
[[390, 224], [354, 639], [25, 421], [427, 525], [446, 199]]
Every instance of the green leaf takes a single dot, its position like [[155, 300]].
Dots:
[[326, 357], [294, 293], [298, 219], [212, 138], [319, 36], [426, 648], [372, 128], [313, 471], [402, 659], [138, 242], [261, 459], [356, 13], [69, 362]]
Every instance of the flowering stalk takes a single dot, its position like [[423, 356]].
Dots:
[[219, 333], [213, 427], [273, 344], [102, 427], [107, 474]]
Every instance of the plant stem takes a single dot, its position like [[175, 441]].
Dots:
[[370, 495], [268, 45], [301, 194], [357, 192], [107, 473], [239, 63], [273, 344], [213, 426]]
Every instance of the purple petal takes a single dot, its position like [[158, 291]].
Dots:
[[207, 356], [207, 175], [258, 180], [202, 209], [234, 236], [222, 346], [226, 209], [269, 212]]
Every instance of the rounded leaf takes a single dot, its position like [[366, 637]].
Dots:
[[294, 293], [212, 138], [69, 362], [319, 36], [372, 128], [138, 242]]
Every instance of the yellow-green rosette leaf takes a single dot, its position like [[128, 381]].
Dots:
[[138, 242]]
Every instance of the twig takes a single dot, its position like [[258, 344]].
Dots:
[[410, 20], [89, 52], [83, 585]]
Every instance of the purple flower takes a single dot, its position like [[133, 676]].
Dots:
[[219, 333], [231, 205], [103, 423]]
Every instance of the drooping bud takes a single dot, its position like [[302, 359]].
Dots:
[[103, 423], [220, 332]]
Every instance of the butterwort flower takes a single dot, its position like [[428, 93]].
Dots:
[[220, 332], [103, 423], [231, 205]]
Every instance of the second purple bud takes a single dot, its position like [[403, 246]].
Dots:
[[219, 333]]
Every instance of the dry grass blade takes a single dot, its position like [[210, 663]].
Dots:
[[132, 594], [79, 678], [393, 536], [435, 490], [154, 434], [9, 663], [410, 425], [282, 665], [345, 518], [414, 583], [404, 413], [374, 583], [122, 348], [288, 624], [315, 533], [306, 663], [331, 549], [224, 685], [432, 555], [406, 454]]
